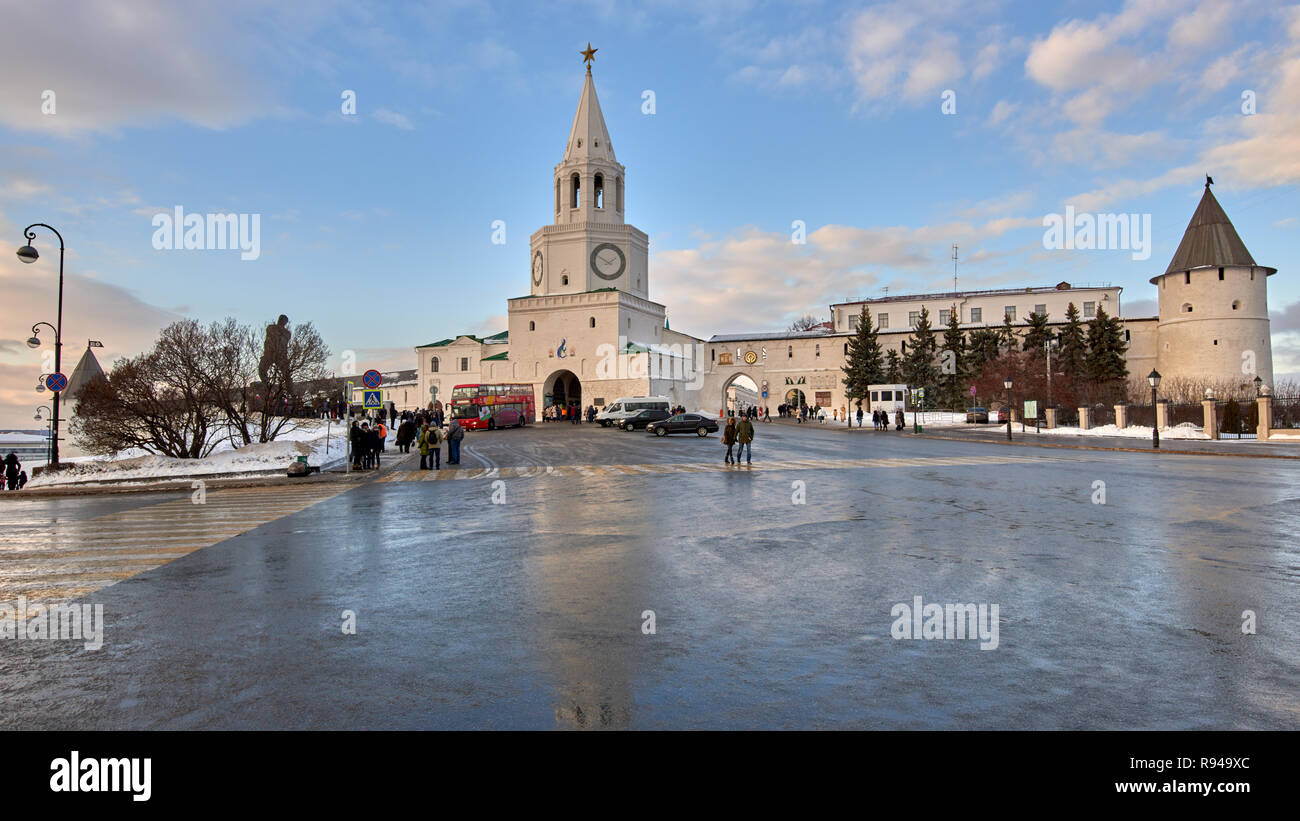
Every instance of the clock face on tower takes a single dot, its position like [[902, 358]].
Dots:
[[607, 261], [537, 268]]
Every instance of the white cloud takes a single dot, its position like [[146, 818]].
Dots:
[[393, 118]]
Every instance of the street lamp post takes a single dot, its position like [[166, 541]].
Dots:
[[347, 427], [29, 255], [1259, 385], [1153, 379], [40, 418], [1007, 384]]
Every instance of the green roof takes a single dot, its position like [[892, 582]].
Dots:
[[496, 357], [487, 340]]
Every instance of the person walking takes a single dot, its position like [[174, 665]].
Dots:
[[455, 434], [430, 448], [744, 436], [358, 443], [12, 468], [898, 419], [405, 435], [859, 414], [729, 439]]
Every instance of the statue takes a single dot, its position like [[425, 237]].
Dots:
[[275, 354]]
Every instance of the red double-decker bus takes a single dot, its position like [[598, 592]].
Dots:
[[492, 406]]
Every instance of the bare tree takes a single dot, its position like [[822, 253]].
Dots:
[[805, 323]]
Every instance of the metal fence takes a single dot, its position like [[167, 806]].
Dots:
[[1141, 416], [1102, 415], [1286, 413]]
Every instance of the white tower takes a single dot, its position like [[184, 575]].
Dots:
[[1214, 325], [589, 246]]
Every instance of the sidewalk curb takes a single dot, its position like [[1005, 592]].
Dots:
[[1037, 444]]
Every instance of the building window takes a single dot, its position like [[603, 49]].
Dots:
[[433, 365], [1187, 277], [1009, 312], [976, 314], [598, 191], [882, 321], [853, 322], [575, 191], [464, 363], [846, 349], [618, 193], [1236, 304], [629, 322], [1216, 342], [1089, 310], [944, 316], [913, 317], [557, 195], [532, 326], [1041, 309], [789, 351], [1187, 307], [564, 280], [817, 349], [713, 355], [1128, 338], [1220, 280], [592, 321]]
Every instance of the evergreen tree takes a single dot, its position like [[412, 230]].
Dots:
[[919, 369], [1038, 335], [981, 348], [1106, 347], [863, 364], [1008, 339], [954, 365], [1073, 346], [893, 367]]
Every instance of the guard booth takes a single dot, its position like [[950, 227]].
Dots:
[[889, 398]]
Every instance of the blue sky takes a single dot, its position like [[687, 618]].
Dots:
[[378, 226]]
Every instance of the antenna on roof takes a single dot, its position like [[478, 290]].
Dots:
[[954, 267]]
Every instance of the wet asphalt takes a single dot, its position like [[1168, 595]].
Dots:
[[520, 599]]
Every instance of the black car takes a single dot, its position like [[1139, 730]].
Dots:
[[639, 420], [683, 423]]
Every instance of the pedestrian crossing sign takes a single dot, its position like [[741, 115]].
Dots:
[[372, 399]]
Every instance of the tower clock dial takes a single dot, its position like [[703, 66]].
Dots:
[[608, 261], [537, 268]]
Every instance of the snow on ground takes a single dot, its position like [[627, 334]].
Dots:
[[308, 439]]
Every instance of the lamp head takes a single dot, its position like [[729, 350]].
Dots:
[[34, 342], [1006, 383], [1153, 378], [28, 254]]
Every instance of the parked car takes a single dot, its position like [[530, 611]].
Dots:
[[643, 418], [683, 423], [1003, 413], [976, 415]]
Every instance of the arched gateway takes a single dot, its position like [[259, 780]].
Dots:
[[562, 388]]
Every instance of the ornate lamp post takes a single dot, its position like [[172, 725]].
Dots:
[[40, 418], [1153, 379], [1259, 384], [1007, 384], [29, 255]]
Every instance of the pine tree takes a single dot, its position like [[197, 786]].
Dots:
[[863, 364], [953, 363], [919, 369], [893, 367], [1106, 347], [1073, 346], [1007, 337], [981, 349], [1038, 335]]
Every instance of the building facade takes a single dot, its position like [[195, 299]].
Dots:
[[587, 333]]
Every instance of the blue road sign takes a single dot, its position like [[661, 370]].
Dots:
[[372, 378], [56, 382], [372, 399]]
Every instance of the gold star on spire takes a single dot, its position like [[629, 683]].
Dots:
[[589, 55]]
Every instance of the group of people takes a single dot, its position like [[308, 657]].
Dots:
[[15, 477], [802, 413], [368, 443], [749, 412], [423, 429], [568, 413], [739, 431], [880, 419]]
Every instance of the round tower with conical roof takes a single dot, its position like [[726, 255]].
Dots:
[[1213, 306]]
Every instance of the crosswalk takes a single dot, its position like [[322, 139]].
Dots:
[[54, 562], [667, 468]]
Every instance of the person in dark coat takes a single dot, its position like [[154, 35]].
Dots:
[[376, 441], [898, 419], [357, 442], [12, 468], [405, 435]]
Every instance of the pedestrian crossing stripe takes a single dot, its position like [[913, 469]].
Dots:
[[53, 563], [667, 468]]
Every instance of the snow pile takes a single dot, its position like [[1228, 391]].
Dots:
[[1186, 430], [309, 440]]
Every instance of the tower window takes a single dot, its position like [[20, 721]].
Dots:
[[818, 349], [593, 321], [564, 280], [789, 351], [557, 195], [575, 191], [1187, 277], [1187, 307], [1216, 342], [618, 193], [532, 326], [1236, 304], [1128, 337], [433, 365], [846, 349], [599, 192], [1220, 275]]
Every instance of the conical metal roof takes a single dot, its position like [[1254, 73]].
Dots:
[[87, 369], [1210, 240]]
